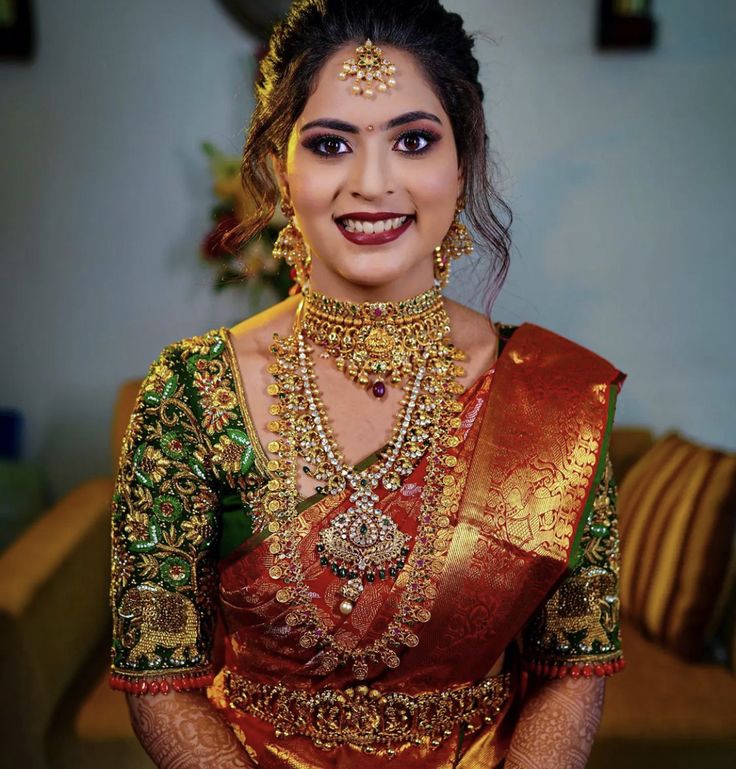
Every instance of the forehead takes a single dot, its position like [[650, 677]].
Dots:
[[334, 98]]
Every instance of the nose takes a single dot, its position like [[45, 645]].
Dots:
[[370, 174]]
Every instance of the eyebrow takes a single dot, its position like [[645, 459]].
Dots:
[[349, 128]]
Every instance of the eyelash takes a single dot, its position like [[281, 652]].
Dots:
[[315, 142]]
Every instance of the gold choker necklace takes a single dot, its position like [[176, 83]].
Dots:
[[376, 342]]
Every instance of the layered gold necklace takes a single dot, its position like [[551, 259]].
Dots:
[[362, 543]]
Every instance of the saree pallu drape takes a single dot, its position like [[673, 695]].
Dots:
[[533, 437]]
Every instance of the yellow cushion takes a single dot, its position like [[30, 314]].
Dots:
[[676, 520], [628, 445], [658, 695]]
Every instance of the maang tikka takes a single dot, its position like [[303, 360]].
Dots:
[[456, 243], [372, 72], [290, 247]]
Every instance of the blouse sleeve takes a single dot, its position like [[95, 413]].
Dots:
[[577, 629], [164, 527]]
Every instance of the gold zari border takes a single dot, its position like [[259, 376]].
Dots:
[[366, 718]]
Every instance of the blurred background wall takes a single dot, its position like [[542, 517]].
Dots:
[[619, 169]]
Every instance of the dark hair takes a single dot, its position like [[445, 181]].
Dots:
[[310, 33]]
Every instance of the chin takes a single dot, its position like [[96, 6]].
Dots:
[[394, 267], [372, 274], [375, 274]]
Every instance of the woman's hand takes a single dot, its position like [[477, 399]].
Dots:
[[558, 722], [181, 730]]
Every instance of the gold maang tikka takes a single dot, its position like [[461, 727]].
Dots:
[[372, 72], [290, 247], [456, 243]]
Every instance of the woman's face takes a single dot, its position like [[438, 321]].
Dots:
[[373, 182]]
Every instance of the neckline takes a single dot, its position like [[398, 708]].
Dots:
[[262, 458]]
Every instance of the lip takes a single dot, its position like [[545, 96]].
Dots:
[[374, 238]]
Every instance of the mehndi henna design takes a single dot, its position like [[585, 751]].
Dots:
[[183, 731], [557, 725]]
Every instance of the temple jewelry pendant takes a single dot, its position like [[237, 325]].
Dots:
[[361, 545]]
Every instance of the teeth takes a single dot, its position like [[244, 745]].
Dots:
[[357, 225]]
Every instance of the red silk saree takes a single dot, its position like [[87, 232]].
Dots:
[[524, 574]]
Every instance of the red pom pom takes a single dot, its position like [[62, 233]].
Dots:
[[554, 671], [164, 688], [608, 668], [564, 670], [574, 671], [599, 671], [588, 671], [144, 687], [154, 687]]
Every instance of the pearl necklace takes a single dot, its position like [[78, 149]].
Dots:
[[362, 542]]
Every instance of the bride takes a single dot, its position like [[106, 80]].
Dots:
[[368, 524]]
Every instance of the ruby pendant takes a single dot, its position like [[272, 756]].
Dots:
[[378, 389]]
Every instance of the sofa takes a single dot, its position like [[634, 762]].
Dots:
[[54, 631]]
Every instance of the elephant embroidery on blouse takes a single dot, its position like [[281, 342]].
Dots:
[[160, 619], [581, 606]]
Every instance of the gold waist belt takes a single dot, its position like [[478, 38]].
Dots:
[[366, 718]]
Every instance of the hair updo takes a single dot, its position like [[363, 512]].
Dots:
[[309, 34]]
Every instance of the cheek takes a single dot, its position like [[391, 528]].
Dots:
[[310, 190], [311, 180], [434, 190], [434, 178], [312, 195]]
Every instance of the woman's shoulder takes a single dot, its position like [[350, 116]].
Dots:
[[475, 334], [540, 346], [179, 356], [254, 335]]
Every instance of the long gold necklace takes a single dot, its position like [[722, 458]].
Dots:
[[376, 342], [363, 543]]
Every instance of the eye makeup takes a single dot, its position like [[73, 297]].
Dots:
[[430, 138], [319, 143]]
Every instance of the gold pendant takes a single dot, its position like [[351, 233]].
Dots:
[[362, 545]]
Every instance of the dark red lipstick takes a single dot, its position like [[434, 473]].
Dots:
[[373, 238]]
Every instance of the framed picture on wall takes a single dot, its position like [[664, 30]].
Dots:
[[17, 34]]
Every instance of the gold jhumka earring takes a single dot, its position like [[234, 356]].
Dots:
[[290, 247], [456, 243]]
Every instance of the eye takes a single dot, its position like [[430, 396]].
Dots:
[[415, 142], [327, 146]]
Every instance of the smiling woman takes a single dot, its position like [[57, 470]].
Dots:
[[349, 185], [369, 521]]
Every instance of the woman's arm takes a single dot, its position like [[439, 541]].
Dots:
[[181, 730], [557, 725]]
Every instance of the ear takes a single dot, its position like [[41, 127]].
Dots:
[[279, 170], [460, 183]]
